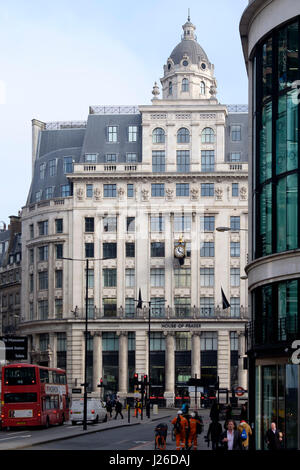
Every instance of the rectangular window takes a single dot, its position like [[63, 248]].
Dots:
[[129, 277], [130, 190], [235, 249], [109, 190], [182, 189], [207, 306], [234, 223], [129, 308], [158, 161], [157, 307], [182, 277], [157, 223], [209, 341], [90, 278], [91, 307], [130, 250], [132, 133], [111, 158], [43, 314], [236, 133], [89, 250], [207, 223], [207, 160], [110, 311], [157, 250], [65, 190], [110, 224], [109, 277], [112, 133], [43, 227], [157, 189], [52, 168], [31, 255], [31, 231], [58, 279], [89, 224], [59, 251], [89, 190], [49, 192], [109, 250], [207, 249], [157, 277], [207, 277], [183, 161], [207, 189], [90, 158], [235, 189], [182, 223], [182, 307], [157, 341], [68, 165], [43, 253], [43, 280], [130, 224], [183, 341], [234, 306], [235, 157], [234, 277], [131, 157], [42, 170], [38, 196], [59, 225], [58, 308]]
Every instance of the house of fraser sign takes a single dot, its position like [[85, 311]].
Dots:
[[181, 325]]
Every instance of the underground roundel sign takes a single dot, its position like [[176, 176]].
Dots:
[[239, 391]]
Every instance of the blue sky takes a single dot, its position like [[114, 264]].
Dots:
[[57, 58]]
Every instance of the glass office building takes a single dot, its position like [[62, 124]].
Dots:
[[271, 50]]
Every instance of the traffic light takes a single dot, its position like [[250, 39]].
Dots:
[[101, 383], [135, 379]]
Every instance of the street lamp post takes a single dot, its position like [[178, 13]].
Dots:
[[85, 384]]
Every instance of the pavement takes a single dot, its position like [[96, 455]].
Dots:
[[24, 438]]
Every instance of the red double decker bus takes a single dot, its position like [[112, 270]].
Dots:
[[33, 395]]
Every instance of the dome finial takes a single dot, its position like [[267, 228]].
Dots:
[[189, 16]]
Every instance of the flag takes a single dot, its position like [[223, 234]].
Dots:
[[140, 302], [226, 304]]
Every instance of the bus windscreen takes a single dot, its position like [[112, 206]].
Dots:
[[19, 376]]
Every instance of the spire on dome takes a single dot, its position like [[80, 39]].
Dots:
[[189, 29]]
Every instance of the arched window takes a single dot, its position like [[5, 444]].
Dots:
[[158, 136], [170, 88], [185, 85], [202, 88], [208, 135], [183, 136]]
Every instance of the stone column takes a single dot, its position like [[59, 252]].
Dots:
[[97, 360], [196, 365], [123, 365], [170, 368], [242, 374], [224, 358]]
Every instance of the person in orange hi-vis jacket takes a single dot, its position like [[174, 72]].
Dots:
[[180, 426], [192, 437]]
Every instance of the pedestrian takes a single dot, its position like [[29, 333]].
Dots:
[[138, 408], [185, 408], [194, 426], [245, 432], [228, 414], [148, 408], [214, 433], [244, 413], [118, 408], [231, 438], [214, 412], [109, 408], [274, 438], [180, 428]]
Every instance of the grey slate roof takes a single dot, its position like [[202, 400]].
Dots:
[[191, 48], [240, 146]]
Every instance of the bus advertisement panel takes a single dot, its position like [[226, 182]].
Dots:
[[33, 395]]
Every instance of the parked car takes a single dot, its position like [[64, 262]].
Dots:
[[96, 411]]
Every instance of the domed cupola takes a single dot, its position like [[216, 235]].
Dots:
[[188, 74]]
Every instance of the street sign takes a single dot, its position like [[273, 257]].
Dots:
[[239, 391], [193, 389], [15, 347], [76, 390]]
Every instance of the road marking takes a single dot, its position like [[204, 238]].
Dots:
[[145, 443], [8, 438]]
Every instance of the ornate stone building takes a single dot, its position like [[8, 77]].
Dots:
[[122, 190]]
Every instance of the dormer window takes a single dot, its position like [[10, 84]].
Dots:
[[170, 88], [185, 85]]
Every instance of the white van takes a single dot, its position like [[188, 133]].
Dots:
[[96, 411]]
